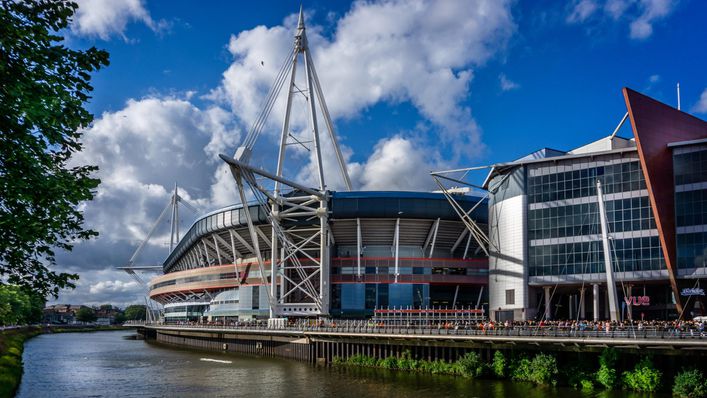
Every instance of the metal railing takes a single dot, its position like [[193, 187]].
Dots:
[[471, 330]]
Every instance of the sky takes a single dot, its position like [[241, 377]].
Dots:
[[412, 86]]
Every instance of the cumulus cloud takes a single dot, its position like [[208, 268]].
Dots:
[[421, 52], [397, 163], [141, 151], [105, 18], [506, 83], [641, 15], [106, 286], [701, 105]]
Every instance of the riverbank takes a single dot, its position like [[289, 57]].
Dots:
[[12, 345]]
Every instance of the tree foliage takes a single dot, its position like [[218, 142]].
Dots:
[[43, 88], [690, 383], [86, 314], [135, 312], [19, 306], [643, 377]]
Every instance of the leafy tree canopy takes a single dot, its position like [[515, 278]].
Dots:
[[86, 314], [43, 88], [135, 312]]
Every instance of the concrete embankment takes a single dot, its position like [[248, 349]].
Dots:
[[322, 346]]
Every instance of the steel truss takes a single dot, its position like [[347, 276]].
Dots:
[[301, 238], [474, 229]]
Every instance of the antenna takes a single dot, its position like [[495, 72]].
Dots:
[[678, 95]]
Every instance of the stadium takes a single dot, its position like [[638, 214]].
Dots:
[[305, 251], [388, 249]]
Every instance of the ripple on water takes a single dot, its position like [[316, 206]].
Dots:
[[104, 364]]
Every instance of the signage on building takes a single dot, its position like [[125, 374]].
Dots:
[[694, 291], [637, 300]]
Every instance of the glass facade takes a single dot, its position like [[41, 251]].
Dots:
[[564, 230], [690, 173]]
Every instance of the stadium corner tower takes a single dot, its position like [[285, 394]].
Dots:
[[305, 251]]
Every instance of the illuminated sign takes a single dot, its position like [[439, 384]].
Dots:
[[695, 291], [637, 300]]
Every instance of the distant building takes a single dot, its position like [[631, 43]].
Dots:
[[64, 314]]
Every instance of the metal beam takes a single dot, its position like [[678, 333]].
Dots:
[[239, 165], [359, 247]]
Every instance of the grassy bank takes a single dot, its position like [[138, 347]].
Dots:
[[11, 347]]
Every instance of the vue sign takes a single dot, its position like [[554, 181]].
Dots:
[[637, 300]]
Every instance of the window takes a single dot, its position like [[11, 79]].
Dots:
[[510, 296], [256, 297]]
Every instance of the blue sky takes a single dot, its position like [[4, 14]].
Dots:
[[479, 82]]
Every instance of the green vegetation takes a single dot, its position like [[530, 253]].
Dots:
[[44, 87], [469, 365], [644, 377], [607, 374], [541, 370], [86, 314], [11, 347], [499, 365], [690, 384], [135, 313], [18, 306]]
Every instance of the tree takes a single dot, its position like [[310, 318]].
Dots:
[[19, 306], [135, 312], [86, 314], [43, 88], [119, 318]]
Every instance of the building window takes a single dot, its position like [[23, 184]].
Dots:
[[256, 297], [510, 296]]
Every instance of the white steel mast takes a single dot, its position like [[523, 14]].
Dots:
[[610, 283], [299, 256]]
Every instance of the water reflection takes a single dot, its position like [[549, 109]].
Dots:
[[104, 364]]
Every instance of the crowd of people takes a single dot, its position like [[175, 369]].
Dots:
[[694, 328]]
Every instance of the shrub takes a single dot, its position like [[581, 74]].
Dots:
[[521, 369], [690, 384], [544, 369], [471, 365], [499, 364], [644, 377], [388, 363], [607, 375], [541, 370], [587, 384]]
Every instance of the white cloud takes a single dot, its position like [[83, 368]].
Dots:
[[397, 163], [105, 18], [652, 10], [116, 286], [105, 286], [141, 151], [654, 78], [582, 10], [506, 83], [701, 105], [422, 52], [641, 15]]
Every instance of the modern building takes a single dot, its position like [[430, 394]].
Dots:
[[547, 258], [388, 250]]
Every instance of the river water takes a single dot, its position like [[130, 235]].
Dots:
[[106, 364]]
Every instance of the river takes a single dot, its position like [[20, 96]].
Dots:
[[106, 364]]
